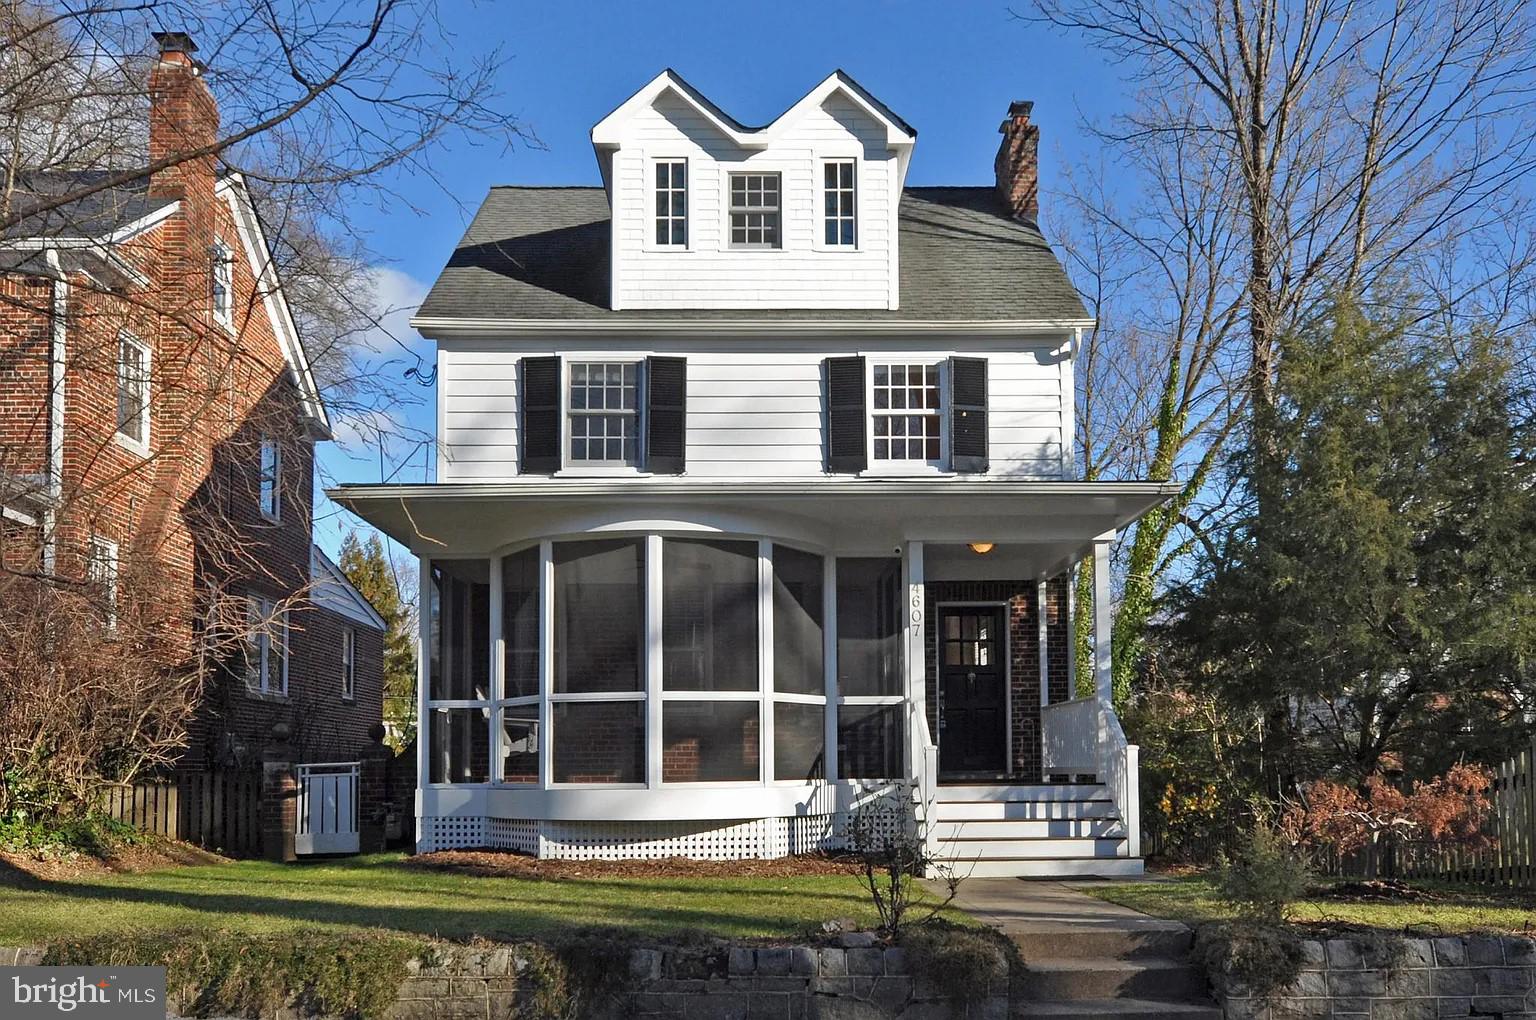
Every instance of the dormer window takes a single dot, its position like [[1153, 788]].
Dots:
[[838, 194], [754, 210], [672, 203]]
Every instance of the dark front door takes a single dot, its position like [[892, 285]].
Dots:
[[973, 703]]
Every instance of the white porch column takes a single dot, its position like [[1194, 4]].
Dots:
[[498, 654], [1103, 682], [1042, 635], [423, 682], [916, 657]]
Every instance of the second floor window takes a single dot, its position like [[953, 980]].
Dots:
[[672, 203], [906, 414], [222, 284], [838, 194], [270, 484], [754, 210], [101, 574], [605, 420], [133, 391]]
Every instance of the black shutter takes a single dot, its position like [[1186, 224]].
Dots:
[[847, 448], [968, 414], [541, 415], [666, 415]]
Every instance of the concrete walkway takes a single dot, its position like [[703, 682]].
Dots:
[[1017, 906], [1087, 958]]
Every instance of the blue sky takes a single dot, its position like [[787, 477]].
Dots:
[[949, 68]]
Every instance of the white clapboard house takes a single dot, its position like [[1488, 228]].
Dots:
[[755, 494]]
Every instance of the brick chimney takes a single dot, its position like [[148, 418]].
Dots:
[[183, 117], [1018, 163]]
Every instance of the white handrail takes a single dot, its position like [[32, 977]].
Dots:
[[1120, 772], [927, 781]]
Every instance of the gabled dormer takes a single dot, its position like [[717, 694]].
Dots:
[[710, 213]]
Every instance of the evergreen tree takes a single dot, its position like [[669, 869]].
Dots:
[[1381, 607], [370, 571]]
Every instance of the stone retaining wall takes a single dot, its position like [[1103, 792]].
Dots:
[[1462, 976], [853, 980]]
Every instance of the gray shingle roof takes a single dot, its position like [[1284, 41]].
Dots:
[[93, 216], [543, 253]]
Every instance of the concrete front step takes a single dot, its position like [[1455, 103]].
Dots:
[[1065, 980], [1075, 867], [1023, 791], [1123, 1009], [1030, 828], [1168, 940], [997, 810], [970, 848]]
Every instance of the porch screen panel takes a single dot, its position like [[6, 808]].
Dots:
[[599, 741], [460, 751], [710, 741], [869, 627], [869, 741], [520, 622], [797, 622], [460, 606], [799, 742], [709, 616], [598, 616]]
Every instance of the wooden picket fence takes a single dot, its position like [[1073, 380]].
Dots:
[[217, 810], [1508, 858]]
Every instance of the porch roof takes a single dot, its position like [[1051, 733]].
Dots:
[[1056, 521]]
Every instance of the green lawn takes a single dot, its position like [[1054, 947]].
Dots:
[[1451, 909], [382, 892]]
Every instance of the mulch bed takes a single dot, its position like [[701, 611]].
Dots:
[[507, 864], [22, 868]]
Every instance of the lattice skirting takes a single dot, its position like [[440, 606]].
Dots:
[[761, 838]]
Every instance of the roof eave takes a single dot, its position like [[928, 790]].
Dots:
[[444, 327]]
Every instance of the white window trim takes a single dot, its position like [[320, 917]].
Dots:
[[138, 446], [821, 243], [268, 625], [570, 466], [104, 552], [349, 664], [222, 271], [650, 237], [906, 467], [275, 514]]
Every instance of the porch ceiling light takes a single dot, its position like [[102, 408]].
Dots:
[[981, 548]]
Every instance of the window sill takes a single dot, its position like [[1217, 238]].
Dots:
[[601, 472], [908, 472], [273, 697], [131, 445], [271, 518]]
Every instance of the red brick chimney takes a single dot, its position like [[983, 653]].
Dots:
[[183, 117], [1018, 163]]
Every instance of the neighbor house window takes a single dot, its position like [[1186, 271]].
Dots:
[[101, 573], [349, 663], [222, 284], [271, 481], [672, 203], [266, 647], [754, 210], [604, 413], [907, 421], [133, 391], [838, 194]]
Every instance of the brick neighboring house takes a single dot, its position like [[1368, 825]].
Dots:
[[157, 409]]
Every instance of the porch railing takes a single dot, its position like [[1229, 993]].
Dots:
[[926, 753], [1084, 736], [1069, 737]]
